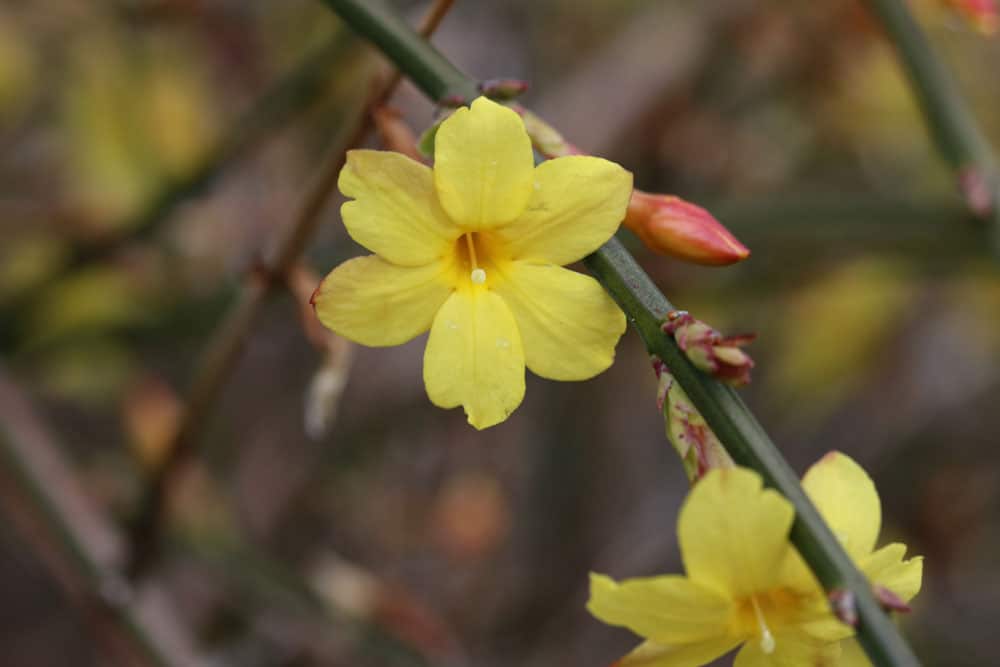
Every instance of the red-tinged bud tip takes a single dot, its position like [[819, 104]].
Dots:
[[844, 607], [453, 101], [984, 15], [719, 356], [976, 190], [668, 225], [890, 601], [503, 89]]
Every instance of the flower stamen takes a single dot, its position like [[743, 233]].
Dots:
[[767, 642], [478, 275]]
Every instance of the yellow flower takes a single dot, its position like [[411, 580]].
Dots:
[[473, 250], [746, 584]]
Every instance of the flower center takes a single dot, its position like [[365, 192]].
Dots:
[[477, 275]]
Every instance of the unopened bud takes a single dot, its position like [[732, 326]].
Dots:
[[668, 225], [719, 356], [503, 90], [843, 605], [983, 15], [687, 430], [889, 600]]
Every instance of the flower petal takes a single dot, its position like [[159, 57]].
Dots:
[[846, 497], [474, 357], [796, 575], [373, 302], [668, 610], [886, 567], [791, 649], [483, 165], [395, 212], [569, 325], [577, 204], [733, 533], [651, 654]]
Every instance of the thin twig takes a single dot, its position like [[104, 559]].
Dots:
[[227, 343], [79, 544], [646, 307], [956, 132]]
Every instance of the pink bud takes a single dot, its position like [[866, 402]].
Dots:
[[982, 14], [668, 225], [890, 601]]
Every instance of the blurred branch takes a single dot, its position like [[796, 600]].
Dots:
[[646, 308], [286, 98], [844, 222], [951, 122], [227, 343], [78, 544], [365, 608]]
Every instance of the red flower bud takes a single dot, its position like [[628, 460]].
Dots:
[[668, 225], [982, 14]]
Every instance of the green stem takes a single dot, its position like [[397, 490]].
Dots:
[[646, 307], [951, 122]]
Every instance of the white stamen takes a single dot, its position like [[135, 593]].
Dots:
[[478, 275], [767, 642]]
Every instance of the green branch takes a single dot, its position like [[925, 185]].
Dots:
[[646, 307], [951, 122]]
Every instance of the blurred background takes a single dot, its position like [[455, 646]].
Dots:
[[151, 151]]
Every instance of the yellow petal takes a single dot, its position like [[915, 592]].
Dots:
[[474, 357], [569, 325], [791, 649], [577, 204], [668, 610], [824, 626], [733, 533], [796, 575], [373, 302], [650, 654], [395, 212], [483, 165], [846, 497], [886, 567]]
